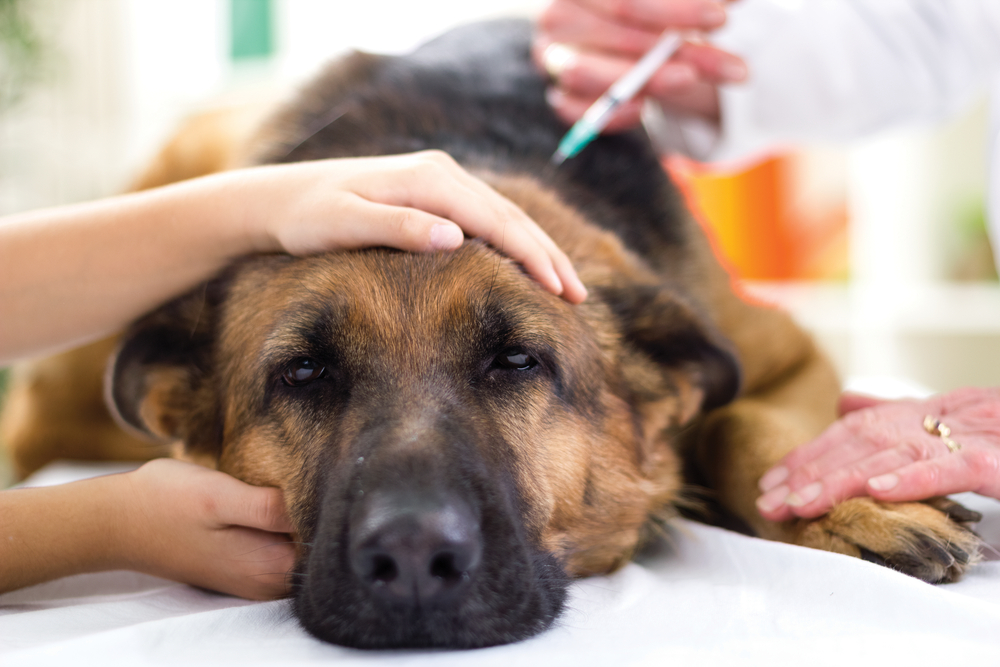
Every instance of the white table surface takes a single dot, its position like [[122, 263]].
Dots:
[[709, 597]]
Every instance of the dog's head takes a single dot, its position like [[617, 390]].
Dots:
[[452, 440]]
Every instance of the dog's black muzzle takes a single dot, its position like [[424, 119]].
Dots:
[[419, 542]]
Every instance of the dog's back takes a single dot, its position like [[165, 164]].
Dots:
[[475, 94]]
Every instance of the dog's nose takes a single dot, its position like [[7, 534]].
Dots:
[[414, 551]]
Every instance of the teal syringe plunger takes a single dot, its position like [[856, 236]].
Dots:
[[624, 89]]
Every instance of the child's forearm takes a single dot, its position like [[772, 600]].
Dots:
[[56, 531], [72, 274]]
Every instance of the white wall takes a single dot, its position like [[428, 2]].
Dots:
[[121, 73]]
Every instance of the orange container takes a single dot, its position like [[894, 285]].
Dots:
[[759, 224]]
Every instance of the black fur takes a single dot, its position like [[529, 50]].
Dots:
[[475, 93], [515, 593]]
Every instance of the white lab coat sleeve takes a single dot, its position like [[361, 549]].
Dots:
[[835, 70]]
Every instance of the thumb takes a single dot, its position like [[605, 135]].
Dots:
[[849, 402], [446, 235], [402, 227]]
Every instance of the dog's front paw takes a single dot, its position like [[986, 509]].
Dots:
[[930, 540]]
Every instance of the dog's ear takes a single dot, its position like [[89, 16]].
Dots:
[[668, 330], [159, 380]]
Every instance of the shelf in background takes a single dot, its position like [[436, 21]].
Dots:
[[941, 335]]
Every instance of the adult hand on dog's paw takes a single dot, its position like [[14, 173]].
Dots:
[[586, 45], [422, 201], [203, 527], [883, 449]]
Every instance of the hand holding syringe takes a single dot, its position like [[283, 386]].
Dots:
[[624, 89], [587, 46]]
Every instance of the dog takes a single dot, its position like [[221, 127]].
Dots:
[[454, 443]]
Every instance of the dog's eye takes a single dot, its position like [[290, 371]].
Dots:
[[515, 358], [303, 371]]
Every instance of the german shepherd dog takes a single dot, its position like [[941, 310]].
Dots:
[[454, 442]]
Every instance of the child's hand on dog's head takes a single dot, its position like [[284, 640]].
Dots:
[[109, 261], [420, 201]]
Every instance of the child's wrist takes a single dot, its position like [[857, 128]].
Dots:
[[113, 540], [247, 210]]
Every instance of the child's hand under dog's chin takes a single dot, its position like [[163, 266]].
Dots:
[[185, 522]]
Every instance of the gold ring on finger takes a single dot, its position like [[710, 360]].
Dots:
[[936, 427]]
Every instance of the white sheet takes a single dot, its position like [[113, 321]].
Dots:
[[710, 597]]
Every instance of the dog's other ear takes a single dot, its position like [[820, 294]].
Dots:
[[158, 381], [661, 325]]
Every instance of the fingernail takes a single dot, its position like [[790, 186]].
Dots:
[[446, 237], [554, 97], [557, 58], [773, 478], [773, 499], [805, 495], [733, 71], [884, 482], [713, 16]]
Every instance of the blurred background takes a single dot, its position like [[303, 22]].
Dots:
[[879, 248]]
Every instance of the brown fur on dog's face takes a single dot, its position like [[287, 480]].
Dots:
[[450, 380]]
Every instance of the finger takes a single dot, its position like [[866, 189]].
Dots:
[[522, 239], [851, 480], [953, 473], [711, 63], [425, 189], [622, 29], [659, 15], [677, 85], [772, 507], [261, 508], [499, 223], [369, 223], [566, 22], [834, 438], [590, 74], [850, 401], [573, 289], [861, 433], [571, 108], [483, 212], [848, 449]]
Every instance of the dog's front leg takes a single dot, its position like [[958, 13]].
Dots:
[[740, 442]]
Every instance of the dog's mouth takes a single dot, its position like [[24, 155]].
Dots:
[[421, 565]]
